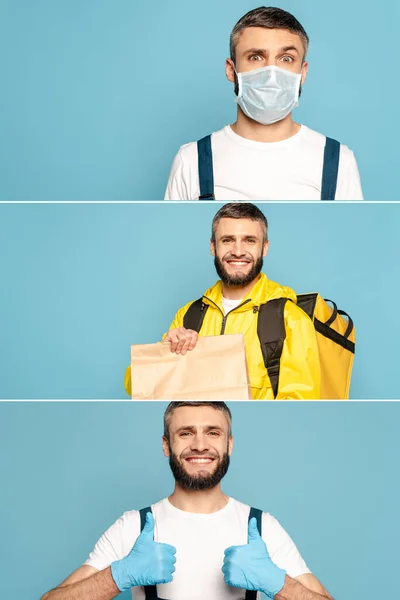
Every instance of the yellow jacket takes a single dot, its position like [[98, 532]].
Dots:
[[299, 376]]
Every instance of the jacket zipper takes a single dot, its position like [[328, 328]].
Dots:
[[224, 317]]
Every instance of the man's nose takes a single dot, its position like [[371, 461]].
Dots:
[[199, 442], [238, 249], [273, 60]]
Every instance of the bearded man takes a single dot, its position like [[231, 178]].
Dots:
[[198, 543], [239, 243]]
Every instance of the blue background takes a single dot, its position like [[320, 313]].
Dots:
[[82, 282], [327, 471], [98, 95]]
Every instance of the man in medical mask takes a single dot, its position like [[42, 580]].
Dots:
[[198, 543], [265, 155]]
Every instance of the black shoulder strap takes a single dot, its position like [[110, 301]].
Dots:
[[150, 591], [143, 512], [257, 513], [206, 172], [194, 316], [271, 333], [330, 169]]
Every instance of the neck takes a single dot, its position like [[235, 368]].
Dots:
[[203, 501], [251, 130], [232, 292]]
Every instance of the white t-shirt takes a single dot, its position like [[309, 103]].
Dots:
[[249, 170], [200, 540], [229, 305]]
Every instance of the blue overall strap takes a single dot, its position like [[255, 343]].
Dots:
[[257, 513], [150, 591], [206, 174], [330, 169]]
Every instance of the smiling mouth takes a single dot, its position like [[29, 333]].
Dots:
[[200, 461], [238, 263]]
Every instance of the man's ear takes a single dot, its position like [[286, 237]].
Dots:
[[304, 70], [230, 446], [265, 249], [212, 248], [165, 447], [229, 70]]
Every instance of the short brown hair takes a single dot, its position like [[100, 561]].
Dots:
[[172, 406], [240, 210], [270, 18]]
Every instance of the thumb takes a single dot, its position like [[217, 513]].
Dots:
[[254, 535], [148, 529]]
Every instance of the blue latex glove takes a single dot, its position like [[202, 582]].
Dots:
[[250, 567], [148, 563]]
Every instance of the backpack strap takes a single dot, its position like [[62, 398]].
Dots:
[[271, 333], [150, 591], [206, 172], [195, 314], [332, 334], [350, 326], [330, 169], [257, 513], [334, 312]]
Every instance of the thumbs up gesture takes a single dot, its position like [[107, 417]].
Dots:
[[148, 563], [250, 567]]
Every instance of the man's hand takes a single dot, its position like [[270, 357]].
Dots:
[[250, 567], [148, 563], [181, 339]]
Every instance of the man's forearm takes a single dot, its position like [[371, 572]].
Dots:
[[100, 586], [294, 590]]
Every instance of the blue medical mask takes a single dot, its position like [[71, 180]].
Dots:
[[268, 94]]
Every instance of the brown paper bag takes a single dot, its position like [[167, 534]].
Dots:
[[215, 370]]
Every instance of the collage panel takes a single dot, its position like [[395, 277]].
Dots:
[[322, 475], [104, 101], [91, 288]]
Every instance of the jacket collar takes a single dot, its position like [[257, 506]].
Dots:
[[263, 291]]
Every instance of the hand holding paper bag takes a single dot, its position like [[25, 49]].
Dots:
[[181, 340], [215, 370]]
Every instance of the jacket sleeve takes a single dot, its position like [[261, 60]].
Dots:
[[177, 322], [300, 374]]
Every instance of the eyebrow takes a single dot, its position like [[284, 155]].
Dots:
[[193, 428], [287, 48], [263, 51], [255, 51], [245, 236]]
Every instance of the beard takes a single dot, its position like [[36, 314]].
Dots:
[[198, 482], [239, 279]]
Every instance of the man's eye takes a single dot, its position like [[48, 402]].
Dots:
[[214, 433], [185, 433], [288, 59], [255, 57]]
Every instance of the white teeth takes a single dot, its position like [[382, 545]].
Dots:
[[200, 460], [238, 263]]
